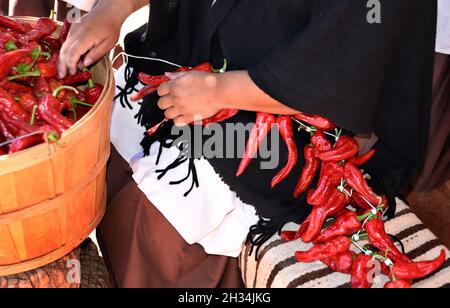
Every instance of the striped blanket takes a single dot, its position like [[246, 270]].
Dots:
[[277, 267]]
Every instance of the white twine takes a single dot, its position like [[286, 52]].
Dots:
[[126, 55], [39, 132]]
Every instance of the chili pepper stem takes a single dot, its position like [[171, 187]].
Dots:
[[223, 69], [33, 115], [91, 83], [35, 73], [75, 101], [61, 88]]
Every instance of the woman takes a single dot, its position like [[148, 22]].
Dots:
[[166, 229]]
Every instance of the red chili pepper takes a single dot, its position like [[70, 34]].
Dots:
[[28, 102], [320, 141], [323, 251], [263, 125], [316, 121], [65, 31], [381, 240], [398, 284], [7, 41], [10, 59], [145, 91], [417, 270], [346, 147], [155, 128], [287, 133], [48, 69], [329, 180], [221, 116], [360, 272], [361, 160], [11, 107], [336, 200], [12, 24], [51, 42], [6, 130], [41, 87], [49, 111], [15, 88], [341, 263], [355, 178], [347, 224], [153, 81], [93, 92], [76, 79], [25, 143], [44, 27], [309, 170]]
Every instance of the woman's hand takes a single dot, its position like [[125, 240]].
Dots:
[[93, 37], [190, 97]]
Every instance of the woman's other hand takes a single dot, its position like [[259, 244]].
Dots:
[[93, 36]]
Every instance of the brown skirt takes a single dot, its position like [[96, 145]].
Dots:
[[142, 249]]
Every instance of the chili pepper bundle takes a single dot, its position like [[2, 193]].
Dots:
[[263, 124], [323, 251], [287, 133]]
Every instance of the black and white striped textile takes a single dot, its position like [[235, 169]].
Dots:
[[276, 266]]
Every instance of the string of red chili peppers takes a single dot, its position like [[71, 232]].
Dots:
[[341, 183]]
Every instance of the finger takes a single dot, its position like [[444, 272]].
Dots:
[[96, 53], [73, 50], [181, 121], [172, 113], [164, 89], [173, 76], [165, 102]]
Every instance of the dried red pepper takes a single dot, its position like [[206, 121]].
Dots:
[[315, 120], [341, 263], [41, 87], [10, 23], [417, 270], [335, 200], [221, 116], [12, 108], [287, 133], [76, 79], [10, 59], [48, 69], [361, 160], [323, 251], [381, 240], [330, 178], [44, 27], [309, 170], [346, 224], [346, 147], [65, 31], [355, 178], [263, 125], [93, 92], [320, 141], [28, 102], [50, 111], [360, 272]]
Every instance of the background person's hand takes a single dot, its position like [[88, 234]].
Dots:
[[90, 39], [190, 97]]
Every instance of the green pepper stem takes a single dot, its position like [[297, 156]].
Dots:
[[91, 83], [59, 89], [53, 137], [33, 115], [35, 73], [75, 101]]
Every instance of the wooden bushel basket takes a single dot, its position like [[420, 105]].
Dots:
[[53, 196]]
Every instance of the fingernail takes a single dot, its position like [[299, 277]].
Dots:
[[88, 62]]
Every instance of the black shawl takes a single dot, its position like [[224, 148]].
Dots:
[[317, 56]]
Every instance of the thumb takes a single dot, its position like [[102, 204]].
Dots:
[[173, 76]]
